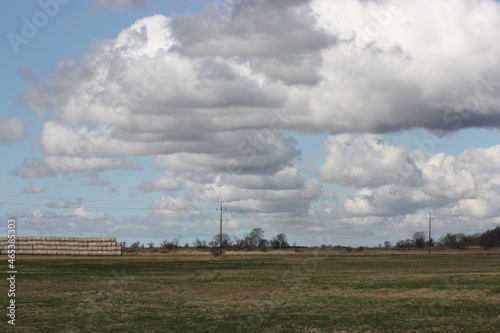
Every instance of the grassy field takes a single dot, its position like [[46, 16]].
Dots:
[[313, 291]]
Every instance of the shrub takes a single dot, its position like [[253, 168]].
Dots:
[[217, 252]]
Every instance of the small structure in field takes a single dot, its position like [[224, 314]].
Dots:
[[64, 246]]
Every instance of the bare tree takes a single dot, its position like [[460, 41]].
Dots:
[[170, 244], [454, 241], [255, 238], [490, 238], [419, 239], [226, 240], [279, 241], [200, 243]]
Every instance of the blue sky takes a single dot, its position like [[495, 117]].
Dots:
[[330, 122]]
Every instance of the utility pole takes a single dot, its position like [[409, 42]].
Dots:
[[430, 219], [220, 234]]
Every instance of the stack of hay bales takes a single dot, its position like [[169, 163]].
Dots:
[[64, 246]]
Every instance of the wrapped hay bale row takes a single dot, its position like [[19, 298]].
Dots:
[[58, 239], [91, 248], [66, 252], [37, 245], [102, 244], [93, 253], [65, 248], [24, 247], [39, 238], [73, 248], [4, 251], [53, 240]]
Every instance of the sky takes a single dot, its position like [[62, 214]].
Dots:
[[334, 122]]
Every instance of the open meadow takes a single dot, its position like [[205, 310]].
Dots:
[[282, 291]]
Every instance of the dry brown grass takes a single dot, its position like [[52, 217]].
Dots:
[[314, 291]]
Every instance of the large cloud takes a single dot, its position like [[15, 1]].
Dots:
[[366, 161], [408, 64], [210, 94], [396, 182], [283, 195], [344, 66]]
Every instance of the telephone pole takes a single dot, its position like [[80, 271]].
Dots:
[[430, 218], [220, 234]]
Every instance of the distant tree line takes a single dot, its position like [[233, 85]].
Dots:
[[253, 240], [487, 240]]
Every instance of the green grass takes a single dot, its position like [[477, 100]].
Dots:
[[257, 293]]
